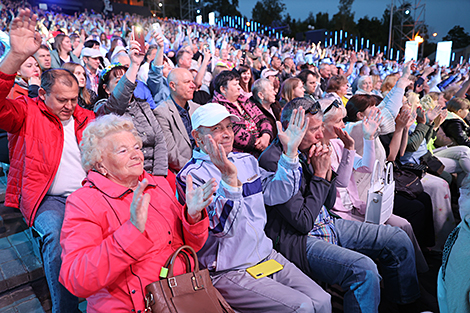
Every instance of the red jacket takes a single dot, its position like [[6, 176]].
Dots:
[[105, 258], [36, 139]]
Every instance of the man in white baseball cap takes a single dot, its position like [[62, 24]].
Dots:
[[92, 59], [237, 214]]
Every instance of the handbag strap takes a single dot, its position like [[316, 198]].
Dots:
[[374, 172], [389, 174], [183, 249]]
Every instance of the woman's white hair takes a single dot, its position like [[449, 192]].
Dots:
[[91, 147], [361, 79], [326, 102]]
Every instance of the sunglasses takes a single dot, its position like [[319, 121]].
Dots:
[[335, 104], [314, 109]]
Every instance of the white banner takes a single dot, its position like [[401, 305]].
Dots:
[[443, 53]]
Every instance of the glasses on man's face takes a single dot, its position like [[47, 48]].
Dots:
[[335, 104], [314, 109]]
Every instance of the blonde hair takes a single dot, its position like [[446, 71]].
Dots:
[[90, 147], [427, 103], [413, 98], [388, 83]]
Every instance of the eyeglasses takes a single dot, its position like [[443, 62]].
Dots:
[[314, 109], [335, 104]]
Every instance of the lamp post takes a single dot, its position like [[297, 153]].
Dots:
[[390, 27]]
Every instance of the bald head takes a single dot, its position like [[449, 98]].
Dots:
[[181, 84]]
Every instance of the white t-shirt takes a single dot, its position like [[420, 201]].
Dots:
[[70, 174]]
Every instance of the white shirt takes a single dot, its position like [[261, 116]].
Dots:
[[70, 174]]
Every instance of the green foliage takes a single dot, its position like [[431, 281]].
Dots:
[[372, 29], [224, 7], [459, 37], [268, 11], [344, 19]]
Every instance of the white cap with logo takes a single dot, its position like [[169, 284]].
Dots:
[[209, 115]]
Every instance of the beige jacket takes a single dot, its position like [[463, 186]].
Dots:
[[176, 136]]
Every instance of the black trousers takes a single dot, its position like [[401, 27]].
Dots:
[[418, 212]]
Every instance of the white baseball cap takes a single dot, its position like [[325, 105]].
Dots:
[[210, 114], [92, 53]]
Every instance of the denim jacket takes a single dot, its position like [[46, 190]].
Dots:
[[237, 215]]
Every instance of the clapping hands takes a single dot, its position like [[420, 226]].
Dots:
[[293, 135], [199, 198]]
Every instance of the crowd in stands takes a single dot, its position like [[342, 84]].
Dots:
[[245, 147]]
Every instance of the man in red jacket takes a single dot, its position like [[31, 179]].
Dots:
[[44, 135]]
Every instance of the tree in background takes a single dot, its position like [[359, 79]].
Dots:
[[372, 29], [458, 36], [224, 7], [344, 19], [266, 12]]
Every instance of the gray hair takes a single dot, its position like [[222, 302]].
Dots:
[[361, 80], [91, 147], [305, 103], [259, 85], [326, 102]]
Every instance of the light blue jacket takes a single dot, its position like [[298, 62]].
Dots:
[[237, 214]]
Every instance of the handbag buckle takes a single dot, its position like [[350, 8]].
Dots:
[[195, 284], [149, 302], [172, 282]]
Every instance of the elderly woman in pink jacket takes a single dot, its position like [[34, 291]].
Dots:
[[123, 224]]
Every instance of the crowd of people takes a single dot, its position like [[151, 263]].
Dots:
[[130, 136]]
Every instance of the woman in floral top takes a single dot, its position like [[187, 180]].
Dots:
[[253, 132]]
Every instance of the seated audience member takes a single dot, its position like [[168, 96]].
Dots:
[[336, 251], [141, 90], [455, 160], [92, 59], [142, 75], [288, 69], [388, 83], [86, 97], [237, 216], [364, 85], [27, 79], [417, 211], [246, 80], [364, 70], [264, 97], [337, 88], [158, 73], [63, 52], [43, 56], [455, 126], [325, 74], [116, 92], [345, 161], [376, 83], [452, 283], [122, 226], [41, 178], [291, 88], [174, 117], [253, 132], [310, 83]]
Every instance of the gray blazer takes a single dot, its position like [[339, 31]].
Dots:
[[176, 137], [122, 102]]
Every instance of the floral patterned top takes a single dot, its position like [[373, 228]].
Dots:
[[252, 125]]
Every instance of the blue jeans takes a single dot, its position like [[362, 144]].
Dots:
[[350, 264], [48, 224]]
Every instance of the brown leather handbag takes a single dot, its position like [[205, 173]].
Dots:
[[191, 292]]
